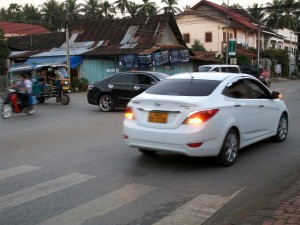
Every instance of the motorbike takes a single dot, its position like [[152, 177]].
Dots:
[[12, 104]]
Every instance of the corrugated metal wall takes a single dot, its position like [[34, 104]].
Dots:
[[95, 70]]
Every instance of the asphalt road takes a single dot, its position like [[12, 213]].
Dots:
[[69, 165]]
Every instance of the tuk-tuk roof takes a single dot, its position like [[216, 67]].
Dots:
[[20, 68]]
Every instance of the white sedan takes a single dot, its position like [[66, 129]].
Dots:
[[205, 114]]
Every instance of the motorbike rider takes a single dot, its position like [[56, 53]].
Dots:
[[24, 87]]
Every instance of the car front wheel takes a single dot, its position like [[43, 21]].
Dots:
[[229, 150], [106, 103], [282, 129]]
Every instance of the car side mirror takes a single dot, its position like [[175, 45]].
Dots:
[[276, 95]]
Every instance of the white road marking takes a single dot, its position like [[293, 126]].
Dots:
[[197, 211], [17, 170], [41, 190], [100, 206]]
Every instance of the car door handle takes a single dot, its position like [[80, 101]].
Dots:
[[237, 105], [136, 88]]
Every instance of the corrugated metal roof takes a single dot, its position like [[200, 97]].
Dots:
[[12, 29], [72, 52], [138, 35]]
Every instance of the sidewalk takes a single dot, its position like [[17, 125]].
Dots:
[[284, 209]]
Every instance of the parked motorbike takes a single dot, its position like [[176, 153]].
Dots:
[[12, 104]]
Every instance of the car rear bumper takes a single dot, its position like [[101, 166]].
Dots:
[[174, 140]]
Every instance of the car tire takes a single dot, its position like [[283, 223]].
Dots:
[[6, 111], [106, 103], [147, 152], [41, 99], [229, 149], [282, 129]]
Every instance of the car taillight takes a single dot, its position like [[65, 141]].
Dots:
[[200, 117], [129, 113]]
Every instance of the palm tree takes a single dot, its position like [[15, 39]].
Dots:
[[133, 9], [171, 6], [13, 12], [31, 13], [274, 11], [122, 5], [107, 10], [73, 10], [148, 8], [53, 15], [257, 12], [91, 10], [187, 8], [236, 6], [288, 18], [3, 13]]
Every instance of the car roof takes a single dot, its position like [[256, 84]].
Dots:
[[208, 75], [219, 65]]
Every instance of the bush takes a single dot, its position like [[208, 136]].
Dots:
[[80, 84]]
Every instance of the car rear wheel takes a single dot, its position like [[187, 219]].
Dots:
[[282, 129], [229, 150], [106, 103], [147, 152]]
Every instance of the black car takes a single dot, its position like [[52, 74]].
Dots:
[[117, 90]]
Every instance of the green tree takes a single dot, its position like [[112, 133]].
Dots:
[[280, 56], [243, 59], [91, 10], [30, 13], [4, 53], [257, 12], [108, 10], [197, 46], [54, 15], [171, 6], [133, 9], [122, 5], [73, 10], [14, 13], [274, 12], [288, 18], [148, 8]]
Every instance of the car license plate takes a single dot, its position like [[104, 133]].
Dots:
[[158, 117]]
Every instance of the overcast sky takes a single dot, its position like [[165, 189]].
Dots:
[[181, 3]]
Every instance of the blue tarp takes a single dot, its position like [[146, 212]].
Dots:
[[74, 60]]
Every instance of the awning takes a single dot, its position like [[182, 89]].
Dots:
[[74, 60]]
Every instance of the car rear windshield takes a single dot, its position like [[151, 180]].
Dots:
[[184, 87]]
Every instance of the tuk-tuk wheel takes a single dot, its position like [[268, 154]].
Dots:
[[41, 99], [65, 99]]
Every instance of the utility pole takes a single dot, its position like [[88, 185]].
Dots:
[[67, 41], [258, 45]]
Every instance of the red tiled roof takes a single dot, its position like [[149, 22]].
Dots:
[[230, 12], [22, 28]]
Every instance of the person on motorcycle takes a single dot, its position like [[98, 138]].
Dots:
[[24, 87]]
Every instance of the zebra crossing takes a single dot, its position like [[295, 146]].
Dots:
[[194, 212]]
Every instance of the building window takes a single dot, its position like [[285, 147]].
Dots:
[[186, 38], [208, 37]]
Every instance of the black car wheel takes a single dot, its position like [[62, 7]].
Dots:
[[106, 103], [230, 148], [282, 129]]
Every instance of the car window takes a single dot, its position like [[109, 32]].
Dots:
[[256, 91], [125, 79], [215, 69], [204, 68], [184, 87], [146, 79], [237, 89], [233, 70], [224, 69]]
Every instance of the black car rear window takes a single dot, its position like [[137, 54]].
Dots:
[[184, 87]]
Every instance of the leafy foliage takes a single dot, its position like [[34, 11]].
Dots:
[[197, 46], [4, 52], [243, 59], [278, 56]]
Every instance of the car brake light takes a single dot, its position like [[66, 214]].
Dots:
[[129, 113], [194, 145], [200, 117]]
